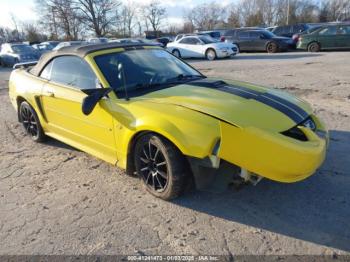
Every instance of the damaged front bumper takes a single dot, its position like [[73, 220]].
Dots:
[[250, 154], [272, 155]]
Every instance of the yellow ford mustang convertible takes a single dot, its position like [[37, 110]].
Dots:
[[141, 108]]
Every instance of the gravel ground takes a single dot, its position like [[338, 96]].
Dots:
[[57, 200]]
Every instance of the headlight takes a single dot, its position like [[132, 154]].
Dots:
[[224, 49]]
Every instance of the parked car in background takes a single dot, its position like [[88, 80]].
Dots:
[[163, 40], [258, 40], [180, 36], [69, 43], [270, 28], [201, 47], [290, 30], [213, 34], [97, 40], [229, 34], [336, 36], [296, 37], [12, 54], [137, 40], [43, 47], [52, 43]]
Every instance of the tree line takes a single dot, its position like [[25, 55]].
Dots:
[[265, 13], [76, 19]]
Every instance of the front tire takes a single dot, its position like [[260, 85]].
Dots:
[[31, 123], [314, 47], [161, 166], [210, 54]]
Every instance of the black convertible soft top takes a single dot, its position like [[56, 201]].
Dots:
[[82, 51]]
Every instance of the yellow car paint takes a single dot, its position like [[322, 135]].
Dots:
[[273, 156], [192, 118]]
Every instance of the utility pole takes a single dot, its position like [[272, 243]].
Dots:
[[54, 22], [288, 11]]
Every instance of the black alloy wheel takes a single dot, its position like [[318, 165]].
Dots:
[[161, 166], [31, 122], [154, 168]]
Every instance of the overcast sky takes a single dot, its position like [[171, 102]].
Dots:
[[24, 9]]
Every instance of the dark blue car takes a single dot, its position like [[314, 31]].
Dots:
[[11, 54]]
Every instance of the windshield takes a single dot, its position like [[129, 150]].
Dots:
[[143, 70], [22, 48], [207, 39]]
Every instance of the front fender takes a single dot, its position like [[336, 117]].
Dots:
[[193, 133]]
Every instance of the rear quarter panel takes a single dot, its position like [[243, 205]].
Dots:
[[25, 86]]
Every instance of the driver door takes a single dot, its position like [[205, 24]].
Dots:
[[61, 100]]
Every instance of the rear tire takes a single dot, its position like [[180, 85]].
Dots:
[[31, 123], [161, 166], [271, 47], [314, 47], [210, 54]]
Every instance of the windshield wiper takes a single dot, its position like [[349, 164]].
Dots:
[[182, 77], [144, 85]]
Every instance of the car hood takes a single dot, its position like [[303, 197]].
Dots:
[[237, 103]]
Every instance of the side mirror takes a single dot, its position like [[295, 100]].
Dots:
[[92, 98], [261, 37]]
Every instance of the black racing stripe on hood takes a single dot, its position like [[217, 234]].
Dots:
[[268, 95], [289, 109], [296, 108]]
